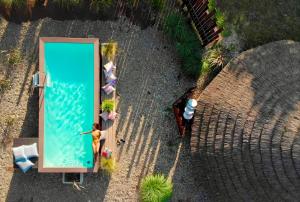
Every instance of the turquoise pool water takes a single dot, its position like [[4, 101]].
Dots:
[[68, 104]]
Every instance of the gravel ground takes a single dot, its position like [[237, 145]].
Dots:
[[148, 85]]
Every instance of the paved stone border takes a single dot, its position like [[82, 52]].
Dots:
[[245, 138]]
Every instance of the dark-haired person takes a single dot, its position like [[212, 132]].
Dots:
[[96, 134]]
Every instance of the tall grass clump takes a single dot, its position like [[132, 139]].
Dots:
[[4, 85], [14, 57], [108, 165], [156, 188], [107, 105], [99, 5], [7, 128], [187, 43], [110, 50], [68, 4]]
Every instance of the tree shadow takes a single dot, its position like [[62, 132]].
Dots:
[[34, 186]]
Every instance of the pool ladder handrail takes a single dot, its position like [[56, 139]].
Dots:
[[36, 80]]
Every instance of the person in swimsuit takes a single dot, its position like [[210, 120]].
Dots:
[[96, 134]]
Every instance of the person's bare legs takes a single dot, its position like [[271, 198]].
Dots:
[[98, 147], [95, 151]]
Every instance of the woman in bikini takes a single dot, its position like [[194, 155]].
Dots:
[[96, 134]]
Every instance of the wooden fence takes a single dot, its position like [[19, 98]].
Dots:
[[204, 20]]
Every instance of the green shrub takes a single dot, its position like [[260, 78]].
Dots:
[[187, 43], [219, 16], [192, 66], [158, 4], [19, 3], [173, 25], [6, 3], [107, 105], [68, 4], [220, 20], [99, 5], [212, 5], [14, 57], [215, 57], [156, 188]]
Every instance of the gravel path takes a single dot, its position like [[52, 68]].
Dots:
[[148, 84]]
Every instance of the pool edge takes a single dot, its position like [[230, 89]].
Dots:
[[42, 41]]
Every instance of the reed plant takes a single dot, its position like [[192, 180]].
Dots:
[[156, 188]]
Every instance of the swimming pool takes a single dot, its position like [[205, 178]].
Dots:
[[69, 103]]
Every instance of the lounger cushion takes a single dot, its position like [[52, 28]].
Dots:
[[31, 150], [113, 82], [112, 116], [107, 73], [19, 153], [108, 89], [111, 78], [108, 67], [104, 116], [25, 165]]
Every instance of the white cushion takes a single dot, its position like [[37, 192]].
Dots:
[[111, 78], [103, 135], [108, 89], [109, 66], [107, 73], [104, 116], [25, 165], [31, 150], [19, 153], [112, 116]]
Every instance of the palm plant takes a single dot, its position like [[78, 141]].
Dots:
[[215, 57], [156, 188]]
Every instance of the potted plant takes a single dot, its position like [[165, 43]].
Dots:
[[108, 164], [108, 113], [107, 105]]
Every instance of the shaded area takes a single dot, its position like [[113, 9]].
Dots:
[[47, 187], [245, 139], [260, 22], [148, 84], [141, 14]]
